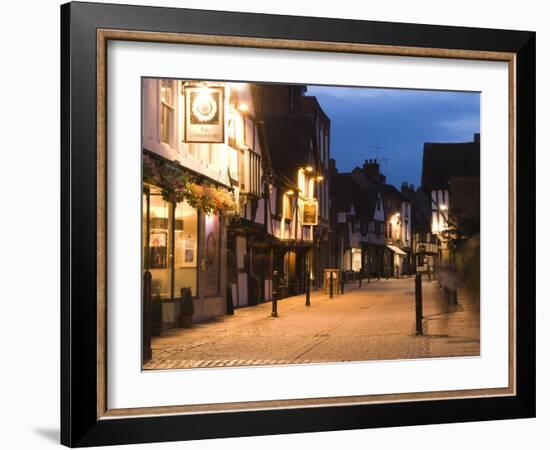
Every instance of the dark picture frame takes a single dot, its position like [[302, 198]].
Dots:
[[85, 29]]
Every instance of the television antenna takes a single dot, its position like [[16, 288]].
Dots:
[[378, 148], [385, 165]]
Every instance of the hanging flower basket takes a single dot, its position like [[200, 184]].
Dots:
[[178, 186]]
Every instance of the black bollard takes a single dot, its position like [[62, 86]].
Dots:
[[308, 287], [331, 285], [342, 285], [147, 317], [275, 282], [418, 302]]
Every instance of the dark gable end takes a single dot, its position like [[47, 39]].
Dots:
[[291, 142], [443, 161], [346, 191]]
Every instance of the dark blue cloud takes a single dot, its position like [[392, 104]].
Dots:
[[399, 121]]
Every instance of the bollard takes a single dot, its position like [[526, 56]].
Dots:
[[331, 285], [360, 280], [454, 296], [147, 317], [342, 285], [275, 282], [308, 287], [418, 302]]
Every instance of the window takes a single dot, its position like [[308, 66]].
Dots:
[[288, 207], [185, 248], [213, 153], [233, 163], [242, 170], [212, 256], [167, 102], [378, 204], [170, 239], [255, 165], [279, 202], [356, 259], [157, 246]]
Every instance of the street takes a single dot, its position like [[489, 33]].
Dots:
[[373, 322]]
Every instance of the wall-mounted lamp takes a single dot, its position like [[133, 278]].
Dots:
[[243, 107], [319, 178], [308, 169], [289, 192]]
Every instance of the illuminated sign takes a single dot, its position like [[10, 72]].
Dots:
[[310, 212], [204, 114]]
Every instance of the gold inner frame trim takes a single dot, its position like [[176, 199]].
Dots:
[[104, 35]]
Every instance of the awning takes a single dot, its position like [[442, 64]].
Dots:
[[396, 250]]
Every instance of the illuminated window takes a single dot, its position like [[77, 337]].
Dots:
[[185, 248], [287, 206], [157, 247]]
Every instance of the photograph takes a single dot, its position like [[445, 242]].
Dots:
[[280, 224], [307, 224]]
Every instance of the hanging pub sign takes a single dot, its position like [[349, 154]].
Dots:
[[310, 212], [204, 114]]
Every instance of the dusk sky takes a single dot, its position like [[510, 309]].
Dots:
[[397, 120]]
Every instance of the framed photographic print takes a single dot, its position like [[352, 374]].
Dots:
[[277, 224]]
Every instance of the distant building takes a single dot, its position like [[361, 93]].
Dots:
[[424, 244], [450, 179], [372, 226]]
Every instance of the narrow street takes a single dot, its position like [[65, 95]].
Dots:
[[372, 322]]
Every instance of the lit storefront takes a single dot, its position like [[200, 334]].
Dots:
[[188, 194]]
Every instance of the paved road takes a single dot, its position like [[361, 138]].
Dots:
[[374, 322]]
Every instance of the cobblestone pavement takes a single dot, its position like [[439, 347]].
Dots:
[[372, 322]]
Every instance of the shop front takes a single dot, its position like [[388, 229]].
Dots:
[[182, 248]]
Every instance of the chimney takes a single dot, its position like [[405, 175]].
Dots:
[[371, 168], [332, 166], [406, 188], [476, 138]]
